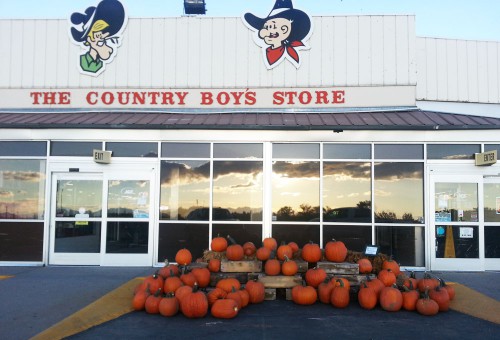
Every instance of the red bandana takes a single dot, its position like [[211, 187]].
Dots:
[[273, 55]]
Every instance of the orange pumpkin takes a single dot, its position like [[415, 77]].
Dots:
[[188, 279], [139, 300], [391, 299], [224, 309], [218, 244], [427, 283], [387, 277], [270, 243], [340, 295], [263, 254], [202, 276], [181, 292], [442, 298], [214, 265], [171, 284], [216, 294], [311, 252], [365, 266], [169, 269], [367, 297], [194, 304], [227, 284], [284, 251], [235, 252], [152, 305], [315, 276], [289, 267], [335, 251], [154, 282], [294, 246], [427, 306], [410, 298], [249, 248], [392, 265], [272, 267], [234, 295], [169, 305], [245, 297], [304, 295], [376, 284], [449, 289], [325, 291], [183, 257], [256, 291]]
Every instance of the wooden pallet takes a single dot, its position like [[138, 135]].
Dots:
[[339, 268], [240, 266], [280, 281]]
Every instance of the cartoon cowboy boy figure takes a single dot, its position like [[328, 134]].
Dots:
[[95, 28], [282, 34]]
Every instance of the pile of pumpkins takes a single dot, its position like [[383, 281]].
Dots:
[[173, 289]]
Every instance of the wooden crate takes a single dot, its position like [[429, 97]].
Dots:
[[354, 280], [241, 266], [280, 281], [339, 268], [193, 265], [270, 294]]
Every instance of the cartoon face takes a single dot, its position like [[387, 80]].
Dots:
[[98, 44], [275, 31]]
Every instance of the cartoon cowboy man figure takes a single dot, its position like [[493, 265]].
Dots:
[[95, 30], [282, 34]]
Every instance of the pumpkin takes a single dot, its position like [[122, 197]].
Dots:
[[367, 297], [181, 292], [304, 295], [171, 284], [294, 246], [143, 286], [340, 295], [169, 305], [284, 251], [391, 299], [449, 289], [194, 304], [270, 243], [169, 269], [442, 298], [249, 248], [214, 265], [218, 244], [256, 291], [154, 282], [311, 252], [272, 267], [235, 252], [335, 251], [183, 257], [224, 309], [325, 291], [139, 300], [375, 283], [289, 267], [245, 297], [427, 283], [202, 276], [345, 281], [153, 302], [411, 282], [315, 276], [234, 295], [392, 265], [188, 279], [365, 266], [387, 277], [263, 254], [427, 306], [227, 284], [216, 294], [410, 298]]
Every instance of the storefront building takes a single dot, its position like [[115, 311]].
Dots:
[[189, 129]]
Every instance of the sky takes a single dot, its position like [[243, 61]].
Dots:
[[453, 19]]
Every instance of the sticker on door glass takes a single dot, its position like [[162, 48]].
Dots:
[[466, 232], [443, 216], [81, 214]]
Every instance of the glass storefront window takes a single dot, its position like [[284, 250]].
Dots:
[[128, 199], [346, 192], [455, 202], [296, 150], [133, 149], [301, 234], [231, 150], [241, 233], [185, 150], [175, 236], [355, 237], [491, 147], [399, 151], [22, 189], [185, 187], [84, 149], [295, 191], [77, 237], [457, 241], [237, 188], [347, 151], [452, 151], [127, 238], [399, 192], [21, 241], [79, 197], [492, 241], [492, 202], [406, 244], [21, 149]]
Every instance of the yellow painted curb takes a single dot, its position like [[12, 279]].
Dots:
[[471, 302], [111, 306], [5, 277]]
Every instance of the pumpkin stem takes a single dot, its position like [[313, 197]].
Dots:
[[232, 240]]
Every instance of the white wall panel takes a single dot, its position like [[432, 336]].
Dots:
[[441, 69], [193, 52], [431, 69], [472, 70], [422, 68], [462, 74], [493, 73], [482, 71]]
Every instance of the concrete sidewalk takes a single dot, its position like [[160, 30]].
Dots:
[[35, 298]]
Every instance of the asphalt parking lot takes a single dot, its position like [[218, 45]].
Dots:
[[36, 298]]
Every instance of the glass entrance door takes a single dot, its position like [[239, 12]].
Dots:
[[492, 223], [102, 219], [457, 228]]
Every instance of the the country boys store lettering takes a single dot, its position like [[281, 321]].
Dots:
[[210, 98]]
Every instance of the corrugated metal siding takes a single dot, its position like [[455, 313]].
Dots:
[[378, 120], [458, 70], [193, 52]]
